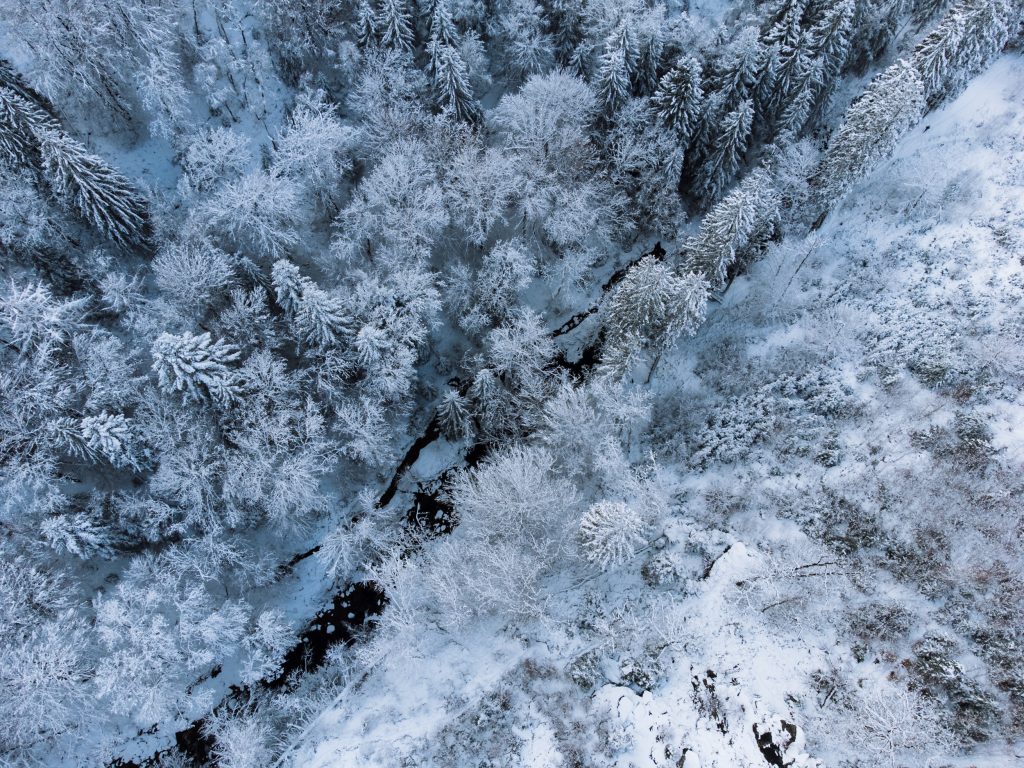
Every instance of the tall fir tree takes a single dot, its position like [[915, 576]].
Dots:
[[442, 27], [652, 308], [964, 41], [613, 80], [679, 98], [98, 193], [892, 103], [451, 82], [729, 225], [394, 25], [365, 24], [196, 366], [729, 146]]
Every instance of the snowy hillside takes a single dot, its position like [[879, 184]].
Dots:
[[500, 383], [850, 546]]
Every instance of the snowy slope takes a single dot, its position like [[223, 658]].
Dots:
[[737, 638]]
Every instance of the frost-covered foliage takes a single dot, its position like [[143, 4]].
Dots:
[[564, 363]]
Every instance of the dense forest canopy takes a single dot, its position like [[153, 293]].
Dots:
[[338, 335]]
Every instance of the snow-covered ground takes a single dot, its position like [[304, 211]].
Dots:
[[852, 507]]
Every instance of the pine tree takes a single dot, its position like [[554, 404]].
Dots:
[[196, 366], [729, 225], [724, 160], [784, 27], [742, 66], [442, 27], [453, 415], [366, 24], [395, 25], [892, 103], [799, 103], [451, 82], [645, 80], [36, 320], [29, 136], [679, 97], [318, 319], [613, 80], [966, 39], [101, 195], [109, 435], [624, 38], [21, 121], [829, 40], [652, 307], [288, 285], [925, 10]]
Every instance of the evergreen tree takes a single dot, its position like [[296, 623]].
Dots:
[[99, 194], [453, 415], [966, 39], [366, 24], [451, 82], [21, 122], [829, 40], [645, 79], [724, 160], [892, 103], [740, 69], [679, 98], [613, 79], [729, 225], [610, 532], [652, 307], [395, 25], [196, 366], [442, 28], [800, 102], [925, 10], [318, 319], [288, 285]]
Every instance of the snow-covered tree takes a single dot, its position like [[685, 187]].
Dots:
[[42, 671], [728, 149], [613, 86], [892, 103], [259, 213], [610, 532], [505, 270], [212, 158], [193, 273], [441, 26], [964, 41], [679, 98], [653, 307], [110, 435], [314, 149], [36, 319], [453, 415], [98, 193], [196, 366], [520, 348], [394, 24], [829, 40], [451, 81], [729, 225], [319, 319], [365, 26]]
